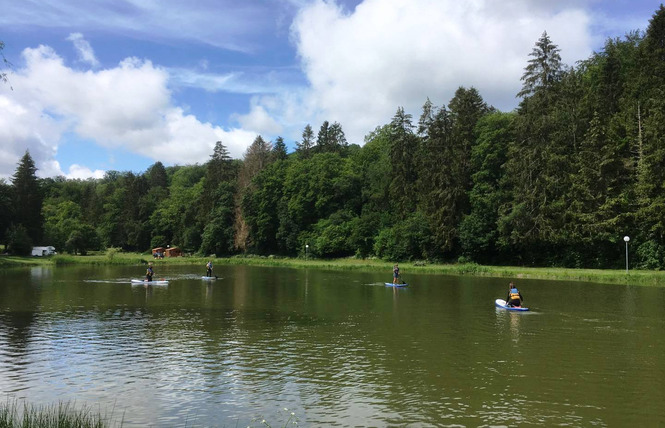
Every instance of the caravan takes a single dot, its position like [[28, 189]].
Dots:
[[43, 251]]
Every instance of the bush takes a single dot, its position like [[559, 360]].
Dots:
[[111, 252], [406, 240], [649, 255]]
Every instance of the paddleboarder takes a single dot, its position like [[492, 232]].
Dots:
[[514, 298], [395, 274], [209, 268], [149, 272]]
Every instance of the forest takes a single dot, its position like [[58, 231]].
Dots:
[[559, 181]]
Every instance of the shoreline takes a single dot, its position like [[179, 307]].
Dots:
[[634, 277]]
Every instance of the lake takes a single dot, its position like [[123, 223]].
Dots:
[[331, 348]]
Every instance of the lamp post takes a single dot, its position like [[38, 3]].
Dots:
[[306, 251], [626, 238]]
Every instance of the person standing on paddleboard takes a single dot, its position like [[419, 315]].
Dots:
[[149, 272], [209, 268], [395, 274], [514, 298]]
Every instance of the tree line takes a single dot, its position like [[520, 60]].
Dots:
[[559, 181]]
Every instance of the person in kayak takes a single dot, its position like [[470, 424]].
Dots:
[[395, 274], [514, 298], [149, 272], [209, 268]]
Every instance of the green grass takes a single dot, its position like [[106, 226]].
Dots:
[[62, 415], [117, 257], [18, 261]]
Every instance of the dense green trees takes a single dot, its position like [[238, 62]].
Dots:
[[559, 181]]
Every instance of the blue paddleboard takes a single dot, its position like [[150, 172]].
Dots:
[[390, 284], [500, 303]]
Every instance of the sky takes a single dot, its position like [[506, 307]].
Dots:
[[118, 85]]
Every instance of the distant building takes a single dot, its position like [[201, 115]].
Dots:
[[43, 251], [158, 252], [173, 252]]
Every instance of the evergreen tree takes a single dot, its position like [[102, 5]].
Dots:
[[257, 157], [437, 194], [331, 138], [426, 119], [157, 175], [260, 205], [650, 138], [478, 231], [466, 109], [28, 198], [304, 147], [6, 210], [219, 168], [337, 138], [544, 69], [219, 187], [323, 140], [279, 149], [538, 167], [403, 153]]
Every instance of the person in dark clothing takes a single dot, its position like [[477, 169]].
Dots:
[[209, 268], [149, 273], [514, 298]]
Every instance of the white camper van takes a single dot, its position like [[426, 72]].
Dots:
[[43, 251]]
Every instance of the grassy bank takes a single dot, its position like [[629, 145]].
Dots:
[[634, 277], [62, 415]]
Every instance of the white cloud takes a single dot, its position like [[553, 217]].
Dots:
[[23, 127], [360, 65], [82, 172], [259, 119], [85, 51], [126, 107], [391, 53]]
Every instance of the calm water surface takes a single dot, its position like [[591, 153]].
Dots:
[[334, 348]]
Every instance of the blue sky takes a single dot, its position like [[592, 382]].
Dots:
[[121, 84]]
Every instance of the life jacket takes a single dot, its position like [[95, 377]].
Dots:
[[514, 294]]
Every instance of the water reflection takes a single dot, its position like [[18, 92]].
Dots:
[[336, 348], [40, 273]]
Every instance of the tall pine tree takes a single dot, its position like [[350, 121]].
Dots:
[[28, 198], [304, 147], [403, 153]]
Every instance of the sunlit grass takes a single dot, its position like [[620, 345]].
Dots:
[[117, 257]]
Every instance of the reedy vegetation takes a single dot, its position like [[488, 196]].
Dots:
[[62, 415], [557, 182]]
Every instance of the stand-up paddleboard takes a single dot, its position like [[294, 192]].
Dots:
[[209, 278], [153, 282], [500, 303], [390, 284]]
